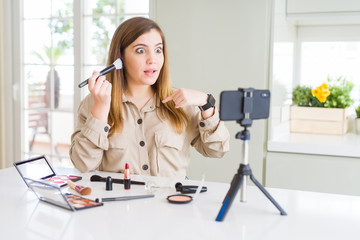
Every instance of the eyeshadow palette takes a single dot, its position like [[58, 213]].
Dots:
[[79, 202], [52, 194], [61, 180], [40, 168]]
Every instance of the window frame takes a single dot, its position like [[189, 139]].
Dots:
[[16, 116], [280, 139]]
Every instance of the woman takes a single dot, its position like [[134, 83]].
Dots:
[[134, 116]]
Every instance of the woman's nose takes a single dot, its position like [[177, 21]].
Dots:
[[151, 58]]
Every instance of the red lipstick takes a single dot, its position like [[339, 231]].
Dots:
[[127, 181]]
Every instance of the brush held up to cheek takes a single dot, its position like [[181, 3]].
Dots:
[[118, 64], [80, 189]]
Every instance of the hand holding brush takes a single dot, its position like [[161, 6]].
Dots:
[[80, 189]]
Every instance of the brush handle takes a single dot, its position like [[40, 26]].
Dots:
[[97, 178], [71, 184], [101, 73], [84, 83], [80, 189]]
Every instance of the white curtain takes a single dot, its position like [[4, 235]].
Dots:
[[2, 89], [6, 139]]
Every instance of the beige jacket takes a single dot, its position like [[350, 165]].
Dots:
[[147, 143]]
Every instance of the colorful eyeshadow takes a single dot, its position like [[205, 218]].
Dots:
[[72, 177]]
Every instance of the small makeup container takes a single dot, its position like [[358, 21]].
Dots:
[[179, 198], [108, 184], [127, 180]]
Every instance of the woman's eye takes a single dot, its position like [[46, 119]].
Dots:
[[140, 50], [158, 50]]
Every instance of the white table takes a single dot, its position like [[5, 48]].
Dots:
[[310, 215]]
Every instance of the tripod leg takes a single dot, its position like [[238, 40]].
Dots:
[[267, 194], [229, 198]]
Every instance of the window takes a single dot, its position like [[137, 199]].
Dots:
[[308, 48], [53, 62], [323, 59], [48, 77]]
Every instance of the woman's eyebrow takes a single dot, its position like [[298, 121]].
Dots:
[[144, 45]]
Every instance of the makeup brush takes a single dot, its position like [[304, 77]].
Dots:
[[97, 178], [80, 189], [118, 64]]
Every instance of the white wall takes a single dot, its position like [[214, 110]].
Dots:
[[219, 45]]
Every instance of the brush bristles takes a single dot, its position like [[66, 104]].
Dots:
[[85, 191], [118, 63]]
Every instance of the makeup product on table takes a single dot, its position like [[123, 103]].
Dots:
[[108, 184], [179, 198], [118, 64], [127, 181], [188, 188], [97, 178], [125, 198], [39, 168], [80, 189], [52, 194], [182, 198]]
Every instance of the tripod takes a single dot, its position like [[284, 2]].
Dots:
[[239, 179]]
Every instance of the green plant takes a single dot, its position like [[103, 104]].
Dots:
[[340, 90], [101, 35], [301, 96], [339, 97], [357, 111], [62, 31]]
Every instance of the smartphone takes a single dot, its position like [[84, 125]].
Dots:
[[232, 104]]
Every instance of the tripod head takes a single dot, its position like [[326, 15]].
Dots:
[[247, 107], [246, 121]]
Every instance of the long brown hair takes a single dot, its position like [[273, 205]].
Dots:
[[124, 35]]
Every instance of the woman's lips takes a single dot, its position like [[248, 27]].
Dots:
[[150, 73]]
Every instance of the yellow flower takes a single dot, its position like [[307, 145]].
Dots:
[[324, 86], [321, 92]]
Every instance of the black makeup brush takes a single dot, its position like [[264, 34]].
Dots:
[[188, 188], [118, 64], [97, 178]]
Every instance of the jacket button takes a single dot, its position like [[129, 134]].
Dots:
[[145, 167], [142, 143], [106, 129], [139, 121], [202, 124]]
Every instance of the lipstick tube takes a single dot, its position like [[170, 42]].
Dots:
[[127, 180]]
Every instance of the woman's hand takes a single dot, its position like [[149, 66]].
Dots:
[[185, 97], [100, 89]]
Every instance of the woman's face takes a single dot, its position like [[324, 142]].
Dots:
[[144, 59]]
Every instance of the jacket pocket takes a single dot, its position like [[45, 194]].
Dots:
[[117, 153], [170, 140], [169, 147]]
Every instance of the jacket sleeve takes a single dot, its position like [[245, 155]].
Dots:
[[89, 139], [212, 137]]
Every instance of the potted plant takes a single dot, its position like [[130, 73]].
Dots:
[[321, 110]]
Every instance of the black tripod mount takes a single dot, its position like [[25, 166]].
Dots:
[[239, 179]]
